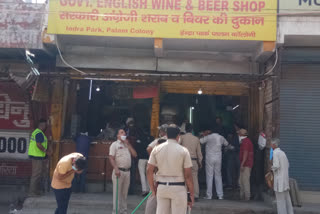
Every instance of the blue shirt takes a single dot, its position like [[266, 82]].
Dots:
[[83, 145], [39, 138]]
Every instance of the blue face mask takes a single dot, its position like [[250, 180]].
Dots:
[[271, 153], [74, 168]]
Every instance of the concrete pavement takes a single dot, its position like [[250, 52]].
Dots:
[[101, 203]]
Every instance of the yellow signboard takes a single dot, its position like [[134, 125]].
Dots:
[[190, 19]]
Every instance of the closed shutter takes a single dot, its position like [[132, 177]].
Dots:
[[300, 123]]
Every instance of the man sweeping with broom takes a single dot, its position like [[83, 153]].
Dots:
[[120, 158]]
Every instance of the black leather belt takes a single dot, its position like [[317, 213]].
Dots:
[[194, 158], [172, 183], [124, 170]]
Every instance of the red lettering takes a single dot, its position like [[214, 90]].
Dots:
[[178, 5], [217, 5], [262, 4], [156, 4], [168, 5], [201, 5], [253, 6], [143, 4], [246, 6], [236, 6], [63, 2], [209, 5], [213, 5], [99, 4], [225, 5]]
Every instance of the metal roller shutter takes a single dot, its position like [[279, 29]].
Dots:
[[300, 123]]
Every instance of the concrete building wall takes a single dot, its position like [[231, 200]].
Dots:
[[21, 24], [299, 28]]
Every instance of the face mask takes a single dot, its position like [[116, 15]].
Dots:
[[74, 168], [179, 141], [241, 138], [123, 138]]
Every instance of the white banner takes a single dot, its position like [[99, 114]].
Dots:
[[14, 144]]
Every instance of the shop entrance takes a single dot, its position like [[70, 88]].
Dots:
[[108, 104]]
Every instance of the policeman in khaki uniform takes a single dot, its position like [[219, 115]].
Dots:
[[174, 175], [151, 205], [120, 159], [192, 143]]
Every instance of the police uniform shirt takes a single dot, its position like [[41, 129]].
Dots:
[[192, 143], [121, 154], [171, 160]]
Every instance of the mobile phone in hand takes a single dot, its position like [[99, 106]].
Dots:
[[189, 197]]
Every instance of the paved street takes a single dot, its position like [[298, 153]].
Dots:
[[102, 204]]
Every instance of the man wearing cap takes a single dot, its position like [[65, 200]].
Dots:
[[162, 136], [246, 163], [192, 143], [214, 143], [174, 176], [151, 205], [120, 159]]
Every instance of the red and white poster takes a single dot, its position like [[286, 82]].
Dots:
[[15, 111]]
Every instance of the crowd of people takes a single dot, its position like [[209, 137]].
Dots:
[[168, 166]]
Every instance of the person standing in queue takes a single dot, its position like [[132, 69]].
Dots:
[[143, 157], [132, 131], [246, 162], [120, 159], [63, 175], [280, 168], [38, 152], [214, 143], [83, 142], [174, 176], [192, 143]]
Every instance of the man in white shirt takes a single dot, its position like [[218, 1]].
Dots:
[[214, 143], [280, 168]]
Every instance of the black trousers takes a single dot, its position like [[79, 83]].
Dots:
[[62, 198]]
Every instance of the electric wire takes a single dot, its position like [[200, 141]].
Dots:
[[63, 60]]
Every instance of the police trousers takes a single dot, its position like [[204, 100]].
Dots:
[[123, 187], [171, 199]]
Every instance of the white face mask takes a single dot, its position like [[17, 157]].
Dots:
[[241, 138], [123, 138], [179, 140]]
